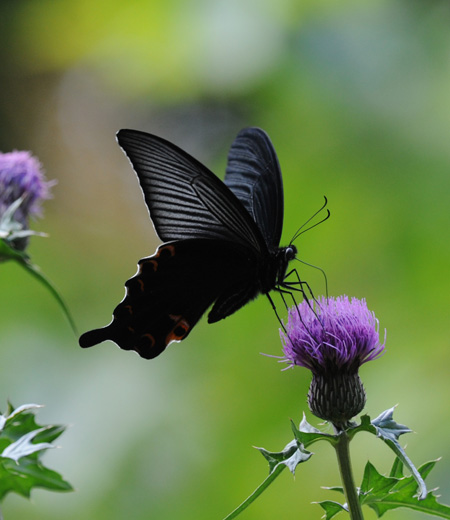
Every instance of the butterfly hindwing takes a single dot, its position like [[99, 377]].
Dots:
[[172, 290]]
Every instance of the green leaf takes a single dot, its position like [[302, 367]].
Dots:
[[375, 484], [9, 253], [397, 468], [389, 431], [23, 446], [382, 493], [388, 428], [23, 476], [306, 434], [339, 489], [365, 426], [331, 508], [22, 442], [292, 455]]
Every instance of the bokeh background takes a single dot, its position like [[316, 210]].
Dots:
[[356, 98]]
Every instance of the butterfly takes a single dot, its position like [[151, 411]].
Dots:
[[220, 240]]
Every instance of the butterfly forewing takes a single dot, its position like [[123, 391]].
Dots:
[[253, 174], [185, 199]]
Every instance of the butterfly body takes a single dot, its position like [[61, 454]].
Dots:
[[221, 240]]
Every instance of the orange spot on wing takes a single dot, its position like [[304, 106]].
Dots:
[[168, 247], [150, 338], [179, 331], [145, 262]]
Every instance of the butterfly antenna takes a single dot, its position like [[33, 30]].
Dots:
[[299, 230]]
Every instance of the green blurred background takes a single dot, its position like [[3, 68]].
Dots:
[[356, 98]]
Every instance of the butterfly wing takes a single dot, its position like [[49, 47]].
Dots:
[[185, 199], [253, 174], [171, 291], [216, 253]]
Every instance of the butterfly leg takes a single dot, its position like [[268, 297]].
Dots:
[[282, 293], [299, 285], [276, 312]]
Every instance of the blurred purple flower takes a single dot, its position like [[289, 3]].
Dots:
[[22, 189], [333, 337]]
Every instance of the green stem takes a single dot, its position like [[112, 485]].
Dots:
[[35, 271], [345, 468], [262, 487]]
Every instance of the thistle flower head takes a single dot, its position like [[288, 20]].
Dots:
[[333, 337], [22, 190]]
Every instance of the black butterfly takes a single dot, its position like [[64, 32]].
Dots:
[[221, 240]]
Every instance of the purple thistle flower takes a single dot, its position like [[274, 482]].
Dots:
[[333, 337], [22, 189]]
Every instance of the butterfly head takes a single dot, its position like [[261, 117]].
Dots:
[[284, 256]]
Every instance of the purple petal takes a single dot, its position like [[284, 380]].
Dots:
[[334, 334]]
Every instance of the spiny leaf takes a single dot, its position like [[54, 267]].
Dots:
[[306, 434], [23, 476], [22, 442], [382, 493], [331, 508], [389, 431], [292, 455], [24, 446]]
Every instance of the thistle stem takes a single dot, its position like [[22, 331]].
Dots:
[[345, 468]]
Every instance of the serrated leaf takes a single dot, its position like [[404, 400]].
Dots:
[[275, 457], [365, 426], [23, 446], [339, 489], [397, 468], [22, 442], [22, 477], [292, 455], [306, 427], [375, 484], [307, 434], [331, 508], [390, 429], [382, 493]]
